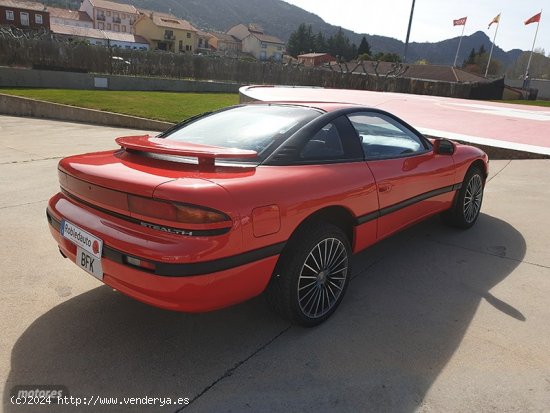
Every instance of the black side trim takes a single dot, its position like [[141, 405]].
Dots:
[[368, 217], [408, 202], [185, 270], [182, 270]]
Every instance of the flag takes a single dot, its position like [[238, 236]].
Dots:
[[495, 20], [534, 19], [461, 22]]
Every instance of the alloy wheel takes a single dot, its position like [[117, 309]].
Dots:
[[472, 198], [322, 278]]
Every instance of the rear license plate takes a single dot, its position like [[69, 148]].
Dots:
[[89, 263], [89, 248]]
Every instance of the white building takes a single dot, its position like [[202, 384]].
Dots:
[[111, 16]]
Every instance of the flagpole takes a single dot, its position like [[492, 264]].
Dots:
[[460, 41], [492, 46], [533, 48]]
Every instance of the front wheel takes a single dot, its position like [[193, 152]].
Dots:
[[312, 275], [465, 210]]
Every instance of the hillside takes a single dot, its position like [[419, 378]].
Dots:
[[281, 19]]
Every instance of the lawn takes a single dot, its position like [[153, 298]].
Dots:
[[166, 106], [527, 102]]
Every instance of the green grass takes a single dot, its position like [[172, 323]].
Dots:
[[527, 102], [165, 106]]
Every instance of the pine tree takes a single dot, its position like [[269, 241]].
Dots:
[[320, 43], [364, 47], [301, 41]]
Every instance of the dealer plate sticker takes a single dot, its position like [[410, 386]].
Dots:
[[89, 248]]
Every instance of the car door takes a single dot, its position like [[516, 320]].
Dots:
[[412, 181]]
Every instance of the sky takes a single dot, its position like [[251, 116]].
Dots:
[[433, 19]]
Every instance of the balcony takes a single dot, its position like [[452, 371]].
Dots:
[[168, 36]]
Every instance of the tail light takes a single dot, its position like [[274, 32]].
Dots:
[[178, 215]]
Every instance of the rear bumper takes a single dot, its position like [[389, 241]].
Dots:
[[189, 287]]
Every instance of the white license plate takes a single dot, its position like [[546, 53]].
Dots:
[[89, 263], [88, 248]]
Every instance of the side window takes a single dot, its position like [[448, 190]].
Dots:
[[384, 137], [326, 144]]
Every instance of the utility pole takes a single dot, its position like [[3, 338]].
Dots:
[[408, 33]]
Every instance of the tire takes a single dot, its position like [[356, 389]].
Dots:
[[312, 274], [467, 204]]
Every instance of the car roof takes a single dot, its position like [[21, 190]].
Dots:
[[324, 106]]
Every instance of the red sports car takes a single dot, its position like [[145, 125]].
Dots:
[[271, 197]]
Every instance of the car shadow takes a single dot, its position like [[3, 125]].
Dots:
[[408, 307]]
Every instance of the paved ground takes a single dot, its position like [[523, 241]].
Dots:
[[434, 320], [516, 127]]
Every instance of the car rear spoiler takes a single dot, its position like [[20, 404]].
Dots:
[[205, 154]]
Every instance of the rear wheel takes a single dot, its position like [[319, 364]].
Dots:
[[465, 210], [312, 275]]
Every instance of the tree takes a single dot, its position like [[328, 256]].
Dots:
[[387, 57], [481, 50], [364, 47], [301, 41], [339, 46], [320, 43], [477, 63], [471, 58]]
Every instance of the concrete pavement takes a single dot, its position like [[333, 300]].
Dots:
[[434, 320]]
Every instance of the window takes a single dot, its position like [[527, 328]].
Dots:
[[24, 18], [116, 27], [325, 144], [383, 137], [188, 35], [168, 35], [181, 45], [38, 18], [188, 48], [10, 15], [264, 45], [101, 26], [123, 27], [261, 128], [108, 26]]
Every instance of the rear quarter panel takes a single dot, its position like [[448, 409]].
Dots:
[[298, 192]]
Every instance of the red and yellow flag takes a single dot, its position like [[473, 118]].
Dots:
[[460, 22], [534, 19], [495, 20]]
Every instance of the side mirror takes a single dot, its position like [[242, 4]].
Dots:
[[443, 147]]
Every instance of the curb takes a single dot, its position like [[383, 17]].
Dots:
[[26, 107]]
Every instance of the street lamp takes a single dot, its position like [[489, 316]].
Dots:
[[408, 33]]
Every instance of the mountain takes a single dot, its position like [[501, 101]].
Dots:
[[281, 19], [444, 52]]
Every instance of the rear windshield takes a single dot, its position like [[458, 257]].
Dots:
[[261, 128]]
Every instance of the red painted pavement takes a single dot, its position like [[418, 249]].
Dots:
[[519, 127]]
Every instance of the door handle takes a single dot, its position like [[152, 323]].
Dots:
[[383, 188]]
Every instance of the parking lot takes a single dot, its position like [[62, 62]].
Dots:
[[435, 319]]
